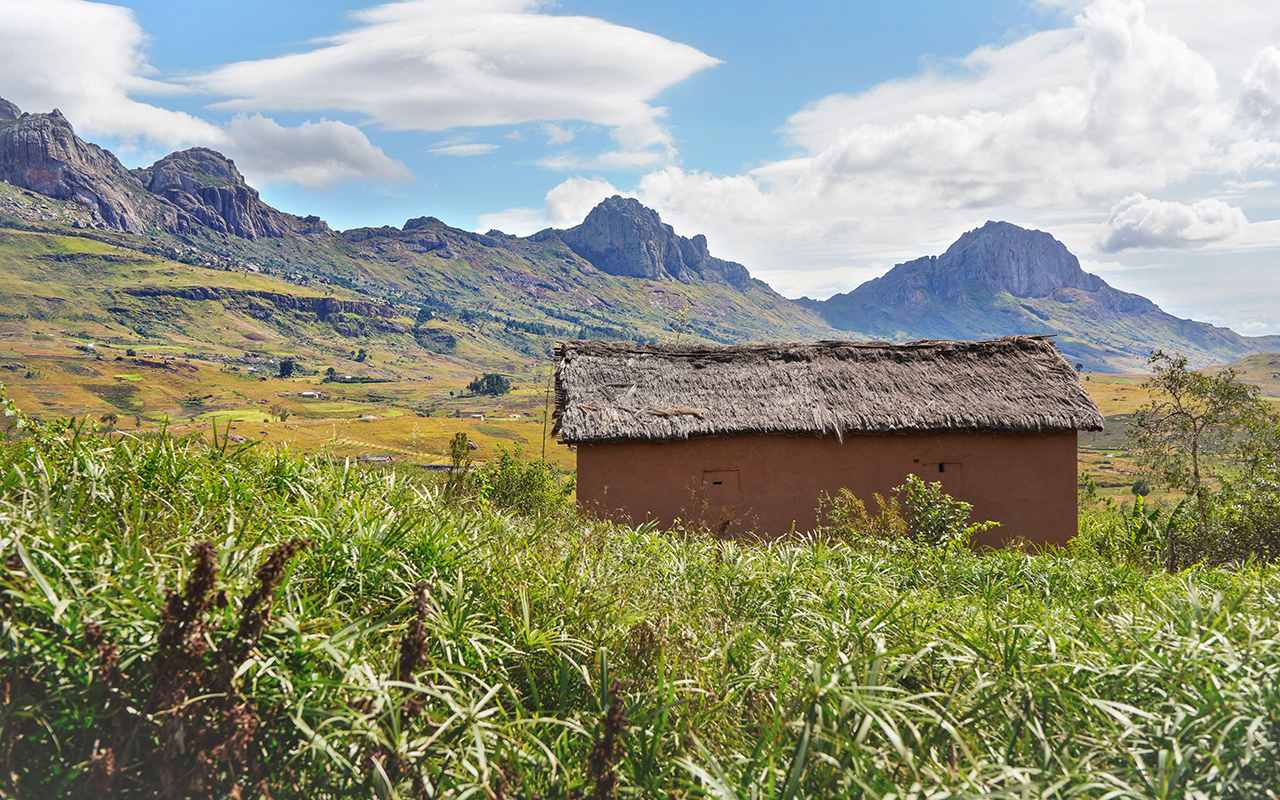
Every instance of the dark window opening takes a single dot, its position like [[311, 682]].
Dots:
[[716, 483], [942, 468]]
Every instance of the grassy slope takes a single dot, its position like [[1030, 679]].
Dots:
[[497, 306], [792, 670], [201, 359], [495, 278]]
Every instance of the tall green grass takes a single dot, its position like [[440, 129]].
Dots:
[[425, 643]]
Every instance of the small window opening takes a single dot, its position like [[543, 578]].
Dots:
[[942, 468], [716, 483]]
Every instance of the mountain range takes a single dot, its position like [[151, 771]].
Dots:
[[621, 274]]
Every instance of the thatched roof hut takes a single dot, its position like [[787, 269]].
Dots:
[[613, 391]]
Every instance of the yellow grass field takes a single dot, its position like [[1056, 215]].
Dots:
[[411, 420], [406, 420]]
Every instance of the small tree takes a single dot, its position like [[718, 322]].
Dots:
[[280, 411], [286, 368], [330, 374], [110, 419], [460, 451], [680, 323], [1193, 422]]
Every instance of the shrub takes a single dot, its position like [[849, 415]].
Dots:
[[1140, 534], [527, 486], [846, 515], [916, 512], [1245, 524], [934, 517]]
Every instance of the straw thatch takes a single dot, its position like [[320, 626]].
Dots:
[[614, 391]]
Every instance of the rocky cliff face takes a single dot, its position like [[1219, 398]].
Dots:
[[1010, 259], [41, 153], [622, 237], [181, 193], [998, 257], [208, 190]]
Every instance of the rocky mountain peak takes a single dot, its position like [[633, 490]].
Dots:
[[420, 222], [9, 110], [1024, 263], [206, 187], [623, 237], [41, 153]]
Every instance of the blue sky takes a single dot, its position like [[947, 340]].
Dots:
[[817, 143]]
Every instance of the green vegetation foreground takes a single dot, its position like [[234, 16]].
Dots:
[[184, 619]]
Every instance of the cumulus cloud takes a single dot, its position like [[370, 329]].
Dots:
[[1141, 221], [570, 202], [87, 59], [1260, 101], [566, 205], [1106, 105], [433, 65], [315, 155]]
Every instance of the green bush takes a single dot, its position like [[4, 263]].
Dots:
[[916, 512], [527, 486]]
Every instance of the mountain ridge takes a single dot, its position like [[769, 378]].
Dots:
[[1001, 279], [621, 273]]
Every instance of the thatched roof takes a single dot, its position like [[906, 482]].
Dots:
[[614, 391]]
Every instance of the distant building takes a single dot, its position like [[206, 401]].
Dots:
[[756, 434], [311, 395]]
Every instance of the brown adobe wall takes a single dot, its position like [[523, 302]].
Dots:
[[1027, 482]]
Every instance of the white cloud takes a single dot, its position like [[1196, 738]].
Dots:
[[1060, 122], [611, 160], [1107, 105], [434, 65], [517, 221], [315, 155], [570, 202], [87, 59], [557, 134], [1142, 222], [1260, 101], [464, 149], [566, 205]]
